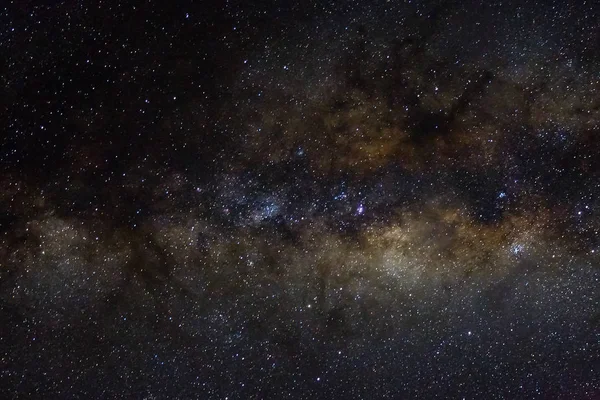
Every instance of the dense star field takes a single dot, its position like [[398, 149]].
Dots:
[[300, 200]]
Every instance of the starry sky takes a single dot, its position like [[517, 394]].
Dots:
[[300, 200]]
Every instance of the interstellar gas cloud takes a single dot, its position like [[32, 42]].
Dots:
[[301, 200]]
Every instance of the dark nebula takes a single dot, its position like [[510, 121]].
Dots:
[[300, 200]]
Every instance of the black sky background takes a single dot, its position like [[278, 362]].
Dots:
[[378, 199]]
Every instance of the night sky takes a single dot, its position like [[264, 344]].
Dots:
[[300, 200]]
